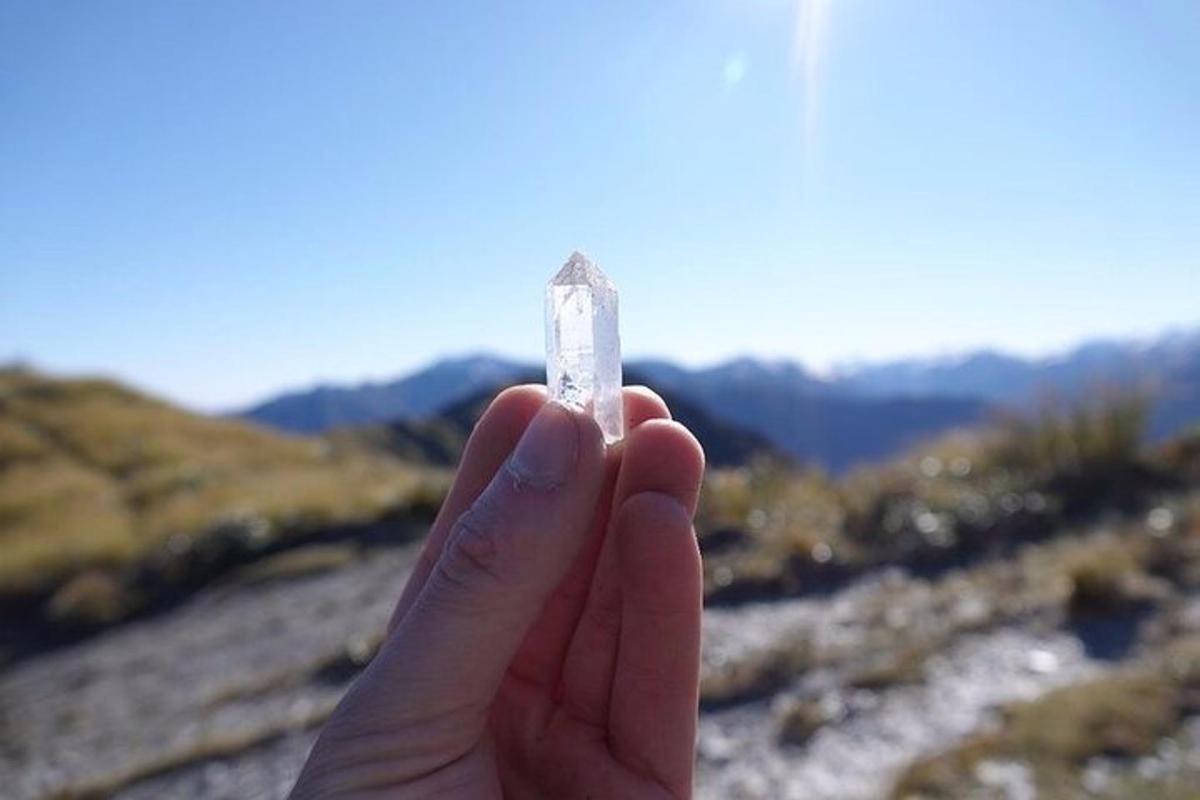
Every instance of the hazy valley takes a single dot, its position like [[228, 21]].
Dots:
[[862, 414]]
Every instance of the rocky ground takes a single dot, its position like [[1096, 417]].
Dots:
[[182, 705], [220, 698]]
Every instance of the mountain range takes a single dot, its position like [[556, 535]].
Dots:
[[439, 439], [860, 413]]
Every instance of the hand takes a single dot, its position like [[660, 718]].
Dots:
[[547, 642]]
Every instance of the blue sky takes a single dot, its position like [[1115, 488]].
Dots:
[[217, 200]]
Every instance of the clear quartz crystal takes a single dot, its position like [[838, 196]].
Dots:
[[583, 346]]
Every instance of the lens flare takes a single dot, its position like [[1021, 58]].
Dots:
[[808, 61]]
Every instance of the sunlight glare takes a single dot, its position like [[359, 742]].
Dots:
[[808, 56]]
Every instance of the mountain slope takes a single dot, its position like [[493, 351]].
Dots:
[[1007, 379], [735, 409], [93, 474], [1165, 369], [417, 395], [832, 430], [439, 439], [865, 413]]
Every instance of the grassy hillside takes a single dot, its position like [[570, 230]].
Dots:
[[95, 476], [768, 530]]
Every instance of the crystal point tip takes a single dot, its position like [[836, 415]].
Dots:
[[580, 271]]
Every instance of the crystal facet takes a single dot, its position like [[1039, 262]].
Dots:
[[583, 346]]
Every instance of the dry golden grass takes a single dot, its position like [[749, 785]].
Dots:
[[94, 475], [770, 530], [775, 519]]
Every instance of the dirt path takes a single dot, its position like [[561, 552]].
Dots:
[[235, 666], [876, 734], [220, 697]]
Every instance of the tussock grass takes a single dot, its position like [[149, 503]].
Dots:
[[1099, 435], [95, 477], [798, 721], [762, 525], [770, 529]]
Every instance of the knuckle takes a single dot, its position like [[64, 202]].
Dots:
[[471, 558]]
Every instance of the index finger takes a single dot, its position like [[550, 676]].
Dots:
[[490, 443]]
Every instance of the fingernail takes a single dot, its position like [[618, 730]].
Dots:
[[546, 453]]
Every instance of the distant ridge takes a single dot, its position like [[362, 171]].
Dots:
[[862, 413], [421, 394], [1000, 377], [439, 439], [1166, 368]]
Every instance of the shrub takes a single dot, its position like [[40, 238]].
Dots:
[[90, 599], [1100, 434], [768, 529], [759, 674], [1103, 579], [799, 720]]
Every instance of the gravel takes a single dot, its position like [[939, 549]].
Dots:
[[222, 697]]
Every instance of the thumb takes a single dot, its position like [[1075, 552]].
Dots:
[[503, 558]]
